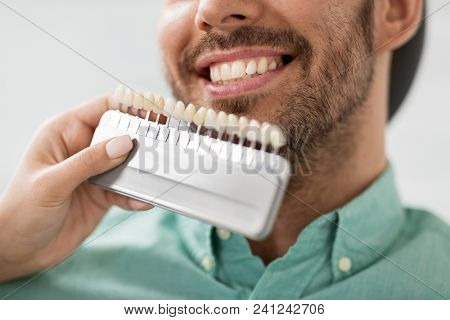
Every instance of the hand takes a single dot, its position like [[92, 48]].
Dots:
[[48, 208]]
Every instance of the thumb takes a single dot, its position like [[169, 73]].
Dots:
[[92, 161]]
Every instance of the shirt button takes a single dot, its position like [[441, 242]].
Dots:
[[345, 264], [207, 263], [223, 234]]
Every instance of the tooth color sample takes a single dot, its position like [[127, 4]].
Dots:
[[128, 98], [221, 122], [199, 116], [119, 94], [253, 133], [159, 104], [210, 119], [243, 125], [232, 124], [138, 100], [189, 113], [179, 110], [169, 107], [149, 100], [277, 139], [265, 133]]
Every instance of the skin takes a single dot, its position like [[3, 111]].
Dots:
[[48, 209], [337, 125]]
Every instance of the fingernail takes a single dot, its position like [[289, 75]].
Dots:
[[119, 146]]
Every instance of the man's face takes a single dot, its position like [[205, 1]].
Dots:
[[312, 60]]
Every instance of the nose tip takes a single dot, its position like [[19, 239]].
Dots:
[[227, 15], [228, 23]]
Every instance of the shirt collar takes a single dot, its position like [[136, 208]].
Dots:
[[368, 225], [361, 231]]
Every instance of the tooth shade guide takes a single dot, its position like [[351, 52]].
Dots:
[[219, 130], [200, 130]]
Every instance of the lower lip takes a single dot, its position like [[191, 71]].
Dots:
[[242, 86]]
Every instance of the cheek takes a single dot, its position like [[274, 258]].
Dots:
[[301, 15], [175, 30]]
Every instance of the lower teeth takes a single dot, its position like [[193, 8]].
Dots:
[[235, 80]]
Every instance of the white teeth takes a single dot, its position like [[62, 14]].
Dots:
[[243, 125], [225, 71], [273, 65], [128, 98], [277, 138], [216, 74], [189, 113], [254, 131], [149, 100], [232, 125], [199, 116], [138, 102], [210, 119], [169, 107], [179, 110], [221, 122], [252, 67], [238, 69], [213, 74], [263, 66], [243, 69]]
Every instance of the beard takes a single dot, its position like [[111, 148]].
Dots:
[[332, 83]]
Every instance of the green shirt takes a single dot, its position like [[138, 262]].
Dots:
[[372, 248]]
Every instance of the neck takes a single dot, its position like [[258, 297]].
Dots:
[[338, 176]]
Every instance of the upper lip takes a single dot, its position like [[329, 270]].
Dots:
[[236, 54]]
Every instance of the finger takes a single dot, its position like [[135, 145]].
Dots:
[[71, 130], [92, 161], [126, 203], [89, 113]]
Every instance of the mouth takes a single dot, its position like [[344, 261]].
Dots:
[[230, 74]]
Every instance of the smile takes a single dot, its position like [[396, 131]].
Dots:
[[234, 73]]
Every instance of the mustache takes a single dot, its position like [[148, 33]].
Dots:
[[247, 36]]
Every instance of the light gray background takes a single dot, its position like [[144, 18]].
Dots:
[[40, 77]]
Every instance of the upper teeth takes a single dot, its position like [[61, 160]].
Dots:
[[251, 130], [243, 69]]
